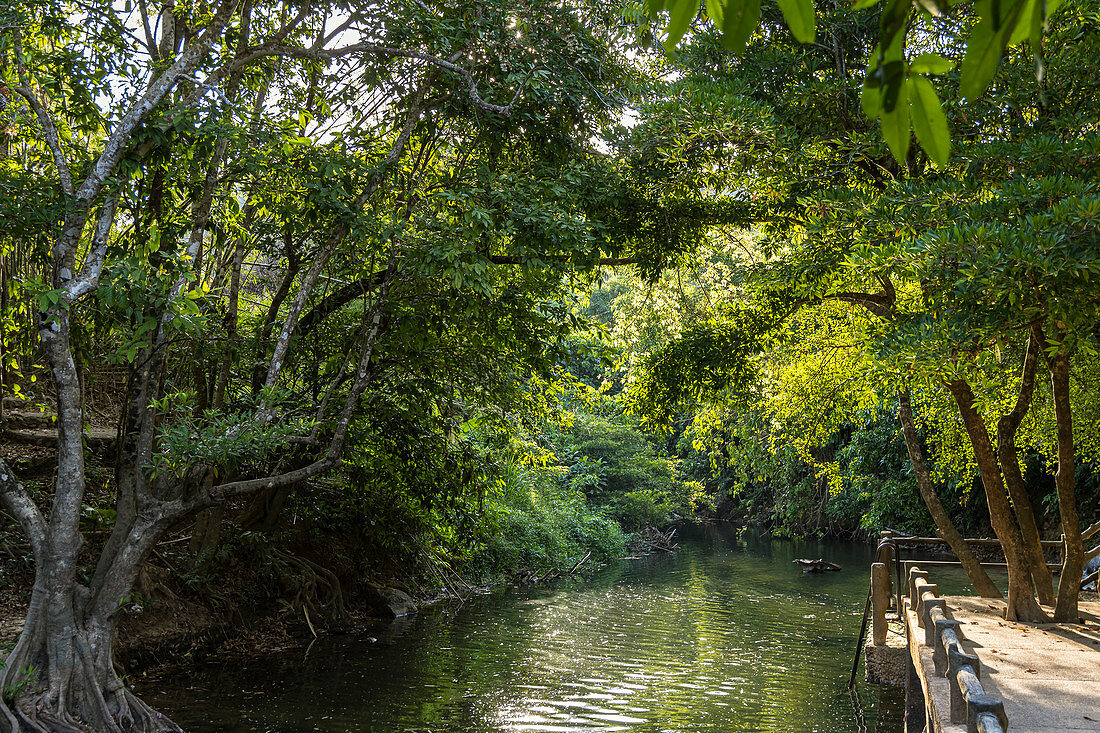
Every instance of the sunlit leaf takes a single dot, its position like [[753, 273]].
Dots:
[[871, 98], [1030, 16], [935, 8], [739, 22], [892, 24], [681, 13], [930, 63], [799, 15], [929, 121], [984, 47]]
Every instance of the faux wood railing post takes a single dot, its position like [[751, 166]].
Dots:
[[915, 574], [886, 554], [880, 601]]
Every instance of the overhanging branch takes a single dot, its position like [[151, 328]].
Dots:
[[337, 299]]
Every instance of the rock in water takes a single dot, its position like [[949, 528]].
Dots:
[[389, 602], [816, 566]]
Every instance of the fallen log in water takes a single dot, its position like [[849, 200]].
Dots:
[[815, 566]]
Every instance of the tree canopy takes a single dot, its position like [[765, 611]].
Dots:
[[408, 255]]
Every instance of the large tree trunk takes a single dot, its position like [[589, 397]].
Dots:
[[978, 577], [1022, 605], [1007, 427], [1069, 585], [62, 666]]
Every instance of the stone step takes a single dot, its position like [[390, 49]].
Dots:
[[47, 437], [27, 420], [11, 402], [31, 462]]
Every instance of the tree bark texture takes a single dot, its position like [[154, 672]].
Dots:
[[1022, 605], [1069, 584], [1007, 426]]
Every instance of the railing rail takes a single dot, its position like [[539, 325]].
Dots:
[[982, 713], [978, 542], [1060, 545]]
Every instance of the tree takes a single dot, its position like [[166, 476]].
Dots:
[[430, 157], [938, 262]]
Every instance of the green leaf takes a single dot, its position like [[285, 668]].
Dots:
[[983, 49], [935, 8], [930, 63], [800, 18], [871, 100], [895, 126], [654, 7], [929, 121], [682, 12], [1031, 14], [739, 22], [892, 24]]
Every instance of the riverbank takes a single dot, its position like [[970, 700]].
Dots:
[[164, 630]]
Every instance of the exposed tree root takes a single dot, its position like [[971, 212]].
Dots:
[[120, 711], [316, 589], [87, 695]]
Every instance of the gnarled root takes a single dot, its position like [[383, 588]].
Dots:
[[87, 700], [118, 712], [316, 589]]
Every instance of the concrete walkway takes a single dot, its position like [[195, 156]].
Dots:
[[1047, 675]]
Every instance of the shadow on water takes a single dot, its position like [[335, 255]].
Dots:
[[725, 635]]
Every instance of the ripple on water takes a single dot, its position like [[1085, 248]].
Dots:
[[723, 636]]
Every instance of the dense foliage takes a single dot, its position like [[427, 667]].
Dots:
[[877, 278], [451, 291]]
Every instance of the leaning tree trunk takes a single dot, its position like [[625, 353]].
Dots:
[[974, 570], [1022, 605]]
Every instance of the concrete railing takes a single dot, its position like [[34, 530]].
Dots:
[[969, 702]]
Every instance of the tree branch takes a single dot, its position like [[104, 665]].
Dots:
[[19, 503], [93, 265], [185, 63], [337, 299], [879, 304], [322, 54], [363, 375], [49, 129], [282, 343]]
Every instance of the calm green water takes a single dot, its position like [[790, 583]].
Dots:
[[726, 635]]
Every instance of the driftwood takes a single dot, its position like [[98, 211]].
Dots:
[[651, 540], [527, 576], [816, 566]]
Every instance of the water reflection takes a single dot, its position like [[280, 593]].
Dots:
[[726, 635]]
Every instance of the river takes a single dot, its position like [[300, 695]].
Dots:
[[724, 635]]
